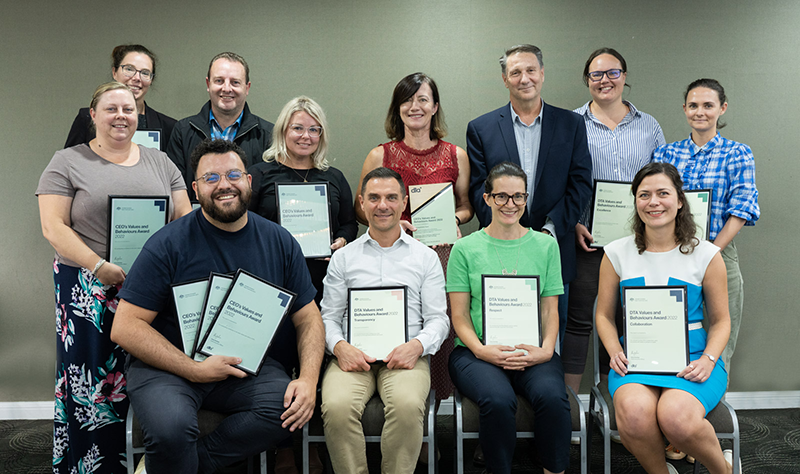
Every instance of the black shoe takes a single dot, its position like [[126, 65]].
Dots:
[[477, 459]]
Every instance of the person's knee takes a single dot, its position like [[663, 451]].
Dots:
[[633, 417], [170, 431], [338, 407], [678, 423], [407, 410]]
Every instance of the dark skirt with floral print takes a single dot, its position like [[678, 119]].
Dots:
[[91, 401]]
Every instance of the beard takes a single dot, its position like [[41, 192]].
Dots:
[[227, 212]]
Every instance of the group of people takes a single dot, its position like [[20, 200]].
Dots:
[[527, 174]]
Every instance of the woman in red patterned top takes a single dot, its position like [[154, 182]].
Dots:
[[415, 124]]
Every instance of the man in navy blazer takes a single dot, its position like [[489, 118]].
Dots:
[[549, 143]]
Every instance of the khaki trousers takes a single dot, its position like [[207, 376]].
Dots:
[[344, 396]]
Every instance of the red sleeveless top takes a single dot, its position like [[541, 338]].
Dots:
[[438, 164]]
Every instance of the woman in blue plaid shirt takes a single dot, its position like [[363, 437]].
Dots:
[[706, 160]]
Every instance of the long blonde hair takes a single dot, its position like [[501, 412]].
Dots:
[[277, 150]]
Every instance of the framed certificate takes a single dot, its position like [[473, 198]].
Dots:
[[131, 221], [511, 312], [149, 137], [188, 298], [656, 329], [700, 203], [217, 288], [433, 208], [304, 210], [247, 319], [377, 319], [612, 209]]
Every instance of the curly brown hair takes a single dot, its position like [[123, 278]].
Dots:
[[684, 222]]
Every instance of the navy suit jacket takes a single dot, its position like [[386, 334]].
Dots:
[[563, 182]]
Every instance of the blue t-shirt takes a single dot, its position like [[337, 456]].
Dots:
[[191, 248]]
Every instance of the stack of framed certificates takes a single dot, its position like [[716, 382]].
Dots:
[[377, 319], [304, 210], [433, 213], [511, 312], [656, 329], [234, 316], [131, 221]]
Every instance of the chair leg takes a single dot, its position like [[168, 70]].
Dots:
[[263, 458]]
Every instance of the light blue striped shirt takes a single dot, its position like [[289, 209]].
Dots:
[[617, 155], [529, 137]]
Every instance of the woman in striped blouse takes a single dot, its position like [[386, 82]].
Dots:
[[621, 141]]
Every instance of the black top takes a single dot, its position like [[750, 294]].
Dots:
[[264, 201], [81, 131]]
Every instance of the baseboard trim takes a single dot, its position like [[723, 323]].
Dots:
[[738, 400]]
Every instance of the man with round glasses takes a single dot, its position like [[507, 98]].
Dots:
[[549, 144], [166, 387], [225, 116]]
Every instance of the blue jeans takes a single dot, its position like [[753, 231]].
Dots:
[[495, 391], [166, 406]]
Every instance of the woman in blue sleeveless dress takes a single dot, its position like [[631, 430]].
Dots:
[[665, 251]]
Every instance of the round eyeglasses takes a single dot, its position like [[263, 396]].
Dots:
[[213, 178], [130, 71], [597, 76]]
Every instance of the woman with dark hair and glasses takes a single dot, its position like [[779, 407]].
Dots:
[[135, 66], [665, 251], [621, 141], [91, 401], [492, 375], [415, 125]]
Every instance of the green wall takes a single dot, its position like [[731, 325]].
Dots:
[[348, 55]]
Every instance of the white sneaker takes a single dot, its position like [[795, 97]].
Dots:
[[728, 455], [615, 438], [672, 469]]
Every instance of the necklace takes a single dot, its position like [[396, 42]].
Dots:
[[305, 178], [497, 252]]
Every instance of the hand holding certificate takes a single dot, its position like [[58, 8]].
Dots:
[[433, 213], [377, 319], [511, 313], [656, 329], [612, 208], [247, 320]]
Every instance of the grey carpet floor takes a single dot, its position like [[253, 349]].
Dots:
[[770, 445]]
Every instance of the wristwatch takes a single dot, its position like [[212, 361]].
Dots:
[[713, 359]]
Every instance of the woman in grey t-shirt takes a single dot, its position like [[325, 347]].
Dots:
[[91, 401]]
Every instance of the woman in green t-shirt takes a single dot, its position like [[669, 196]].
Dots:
[[493, 375]]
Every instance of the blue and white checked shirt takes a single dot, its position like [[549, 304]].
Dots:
[[724, 166], [229, 133], [617, 155]]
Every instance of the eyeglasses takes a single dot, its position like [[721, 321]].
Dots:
[[502, 198], [130, 71], [299, 130], [213, 178], [597, 76]]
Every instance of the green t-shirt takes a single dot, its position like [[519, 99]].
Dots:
[[479, 254]]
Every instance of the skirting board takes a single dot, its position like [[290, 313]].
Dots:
[[738, 400]]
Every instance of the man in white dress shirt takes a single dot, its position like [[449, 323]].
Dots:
[[384, 256]]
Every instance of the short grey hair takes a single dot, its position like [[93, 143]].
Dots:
[[520, 48]]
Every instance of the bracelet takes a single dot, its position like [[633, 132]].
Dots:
[[713, 359], [458, 221], [98, 265]]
